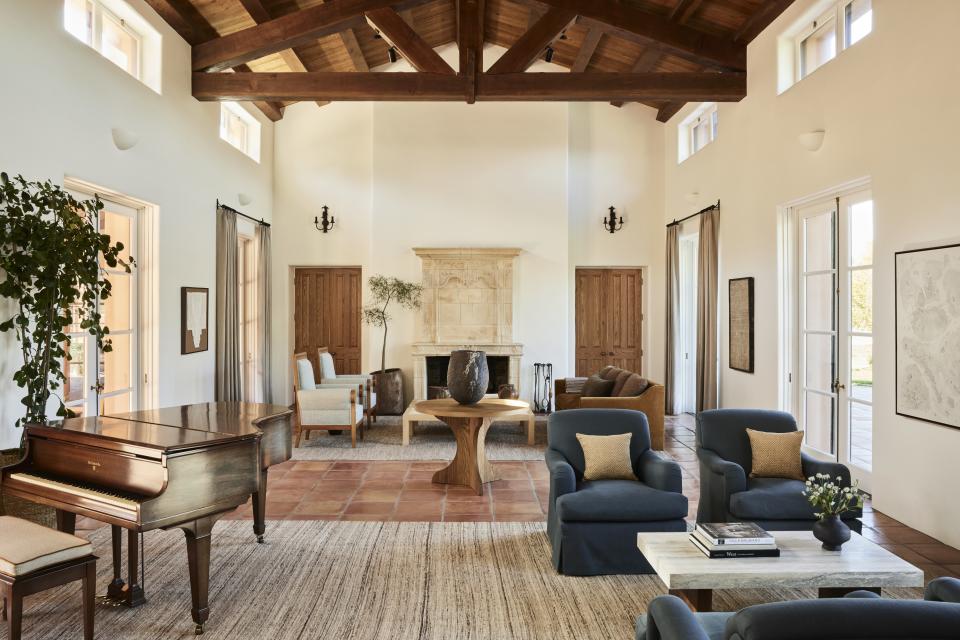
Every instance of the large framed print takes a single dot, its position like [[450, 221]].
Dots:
[[928, 334], [740, 324], [194, 323]]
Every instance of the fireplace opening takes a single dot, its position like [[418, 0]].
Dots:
[[499, 367]]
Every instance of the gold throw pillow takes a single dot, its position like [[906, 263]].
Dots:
[[776, 455], [606, 457]]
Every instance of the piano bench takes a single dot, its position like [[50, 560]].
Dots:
[[34, 558]]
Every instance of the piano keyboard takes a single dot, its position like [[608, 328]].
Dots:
[[84, 490]]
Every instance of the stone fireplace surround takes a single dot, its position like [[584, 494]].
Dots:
[[467, 304]]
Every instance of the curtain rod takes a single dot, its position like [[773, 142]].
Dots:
[[240, 213], [694, 215]]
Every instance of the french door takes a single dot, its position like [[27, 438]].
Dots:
[[105, 382], [689, 248], [608, 319], [833, 388]]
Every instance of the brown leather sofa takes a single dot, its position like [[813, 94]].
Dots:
[[650, 402]]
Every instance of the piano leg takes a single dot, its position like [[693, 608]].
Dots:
[[198, 535], [66, 521], [130, 594], [260, 507]]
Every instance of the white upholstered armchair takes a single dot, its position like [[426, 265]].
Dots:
[[328, 374], [330, 406]]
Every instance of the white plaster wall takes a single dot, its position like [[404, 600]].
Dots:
[[885, 104], [60, 100]]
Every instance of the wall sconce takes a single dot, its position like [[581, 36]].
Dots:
[[611, 223], [325, 222], [812, 140], [124, 139], [244, 199]]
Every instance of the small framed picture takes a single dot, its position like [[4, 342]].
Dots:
[[741, 324], [194, 323]]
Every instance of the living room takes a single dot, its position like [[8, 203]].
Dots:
[[738, 202]]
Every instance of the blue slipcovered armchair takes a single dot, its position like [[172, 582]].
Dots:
[[729, 494], [861, 614], [593, 524]]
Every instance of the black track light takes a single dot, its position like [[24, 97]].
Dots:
[[392, 54], [549, 56]]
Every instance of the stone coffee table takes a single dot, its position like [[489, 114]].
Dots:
[[692, 576]]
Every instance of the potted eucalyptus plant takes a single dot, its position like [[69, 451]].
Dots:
[[384, 292], [51, 281]]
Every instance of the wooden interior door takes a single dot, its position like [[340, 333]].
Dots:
[[327, 303], [608, 319]]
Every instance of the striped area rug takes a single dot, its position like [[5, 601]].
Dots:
[[368, 580]]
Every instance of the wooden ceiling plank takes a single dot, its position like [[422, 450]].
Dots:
[[587, 49], [645, 63], [287, 31], [531, 44], [346, 86], [350, 43], [669, 110], [187, 21], [684, 10], [767, 13], [470, 37], [632, 23], [417, 52]]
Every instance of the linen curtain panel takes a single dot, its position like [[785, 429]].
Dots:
[[228, 380], [264, 305], [673, 320], [707, 327]]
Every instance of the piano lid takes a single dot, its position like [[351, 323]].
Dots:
[[235, 418], [131, 432]]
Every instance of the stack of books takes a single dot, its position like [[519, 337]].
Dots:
[[734, 540]]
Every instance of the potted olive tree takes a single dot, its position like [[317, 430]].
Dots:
[[51, 279], [385, 291]]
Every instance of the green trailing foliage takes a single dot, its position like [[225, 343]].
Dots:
[[50, 268], [383, 291]]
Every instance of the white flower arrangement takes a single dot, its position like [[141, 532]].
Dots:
[[829, 497]]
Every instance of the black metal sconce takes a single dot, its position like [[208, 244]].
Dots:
[[325, 222], [612, 224]]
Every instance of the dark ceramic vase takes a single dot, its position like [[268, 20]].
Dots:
[[468, 376], [832, 532]]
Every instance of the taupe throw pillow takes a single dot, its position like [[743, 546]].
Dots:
[[607, 369], [776, 455], [597, 387], [610, 373], [634, 386], [606, 457], [619, 381]]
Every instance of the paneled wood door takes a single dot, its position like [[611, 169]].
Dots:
[[327, 302], [609, 319]]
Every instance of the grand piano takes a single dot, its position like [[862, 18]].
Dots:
[[177, 467]]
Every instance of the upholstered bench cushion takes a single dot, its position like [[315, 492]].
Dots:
[[26, 547]]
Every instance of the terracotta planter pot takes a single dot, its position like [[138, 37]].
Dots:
[[389, 392], [20, 508]]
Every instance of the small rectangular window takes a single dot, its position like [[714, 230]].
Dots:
[[857, 20], [819, 47], [115, 31], [698, 130], [240, 129]]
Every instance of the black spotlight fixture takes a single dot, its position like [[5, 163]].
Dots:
[[325, 222], [549, 55], [392, 54], [612, 224]]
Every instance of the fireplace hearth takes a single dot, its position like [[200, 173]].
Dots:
[[499, 367]]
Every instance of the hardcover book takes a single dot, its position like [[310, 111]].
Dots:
[[719, 533], [722, 552]]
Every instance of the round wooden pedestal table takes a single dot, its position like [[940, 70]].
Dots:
[[470, 424]]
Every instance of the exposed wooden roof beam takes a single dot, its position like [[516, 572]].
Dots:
[[668, 110], [350, 43], [417, 52], [599, 87], [194, 28], [284, 32], [760, 20], [684, 10], [634, 24], [587, 49], [531, 44], [470, 36], [644, 64]]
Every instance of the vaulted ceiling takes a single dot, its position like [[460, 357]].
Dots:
[[662, 53]]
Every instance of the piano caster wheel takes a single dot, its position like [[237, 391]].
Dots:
[[198, 630], [259, 539]]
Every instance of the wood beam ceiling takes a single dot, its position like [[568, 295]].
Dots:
[[531, 44], [194, 28], [590, 43], [417, 52], [470, 38], [605, 87]]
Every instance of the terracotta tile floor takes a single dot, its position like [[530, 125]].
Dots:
[[403, 491]]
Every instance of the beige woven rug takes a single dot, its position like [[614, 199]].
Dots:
[[369, 580], [430, 441]]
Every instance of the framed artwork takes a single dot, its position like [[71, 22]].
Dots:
[[194, 323], [741, 324], [928, 334]]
